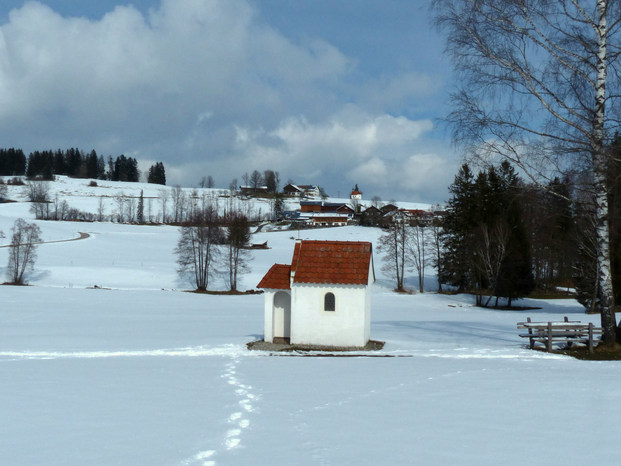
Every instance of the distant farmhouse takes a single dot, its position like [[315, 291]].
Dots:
[[302, 190], [322, 213], [253, 190], [323, 297]]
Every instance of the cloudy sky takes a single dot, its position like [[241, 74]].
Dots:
[[328, 92]]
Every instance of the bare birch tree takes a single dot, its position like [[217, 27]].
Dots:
[[22, 251], [491, 251], [540, 87], [419, 251]]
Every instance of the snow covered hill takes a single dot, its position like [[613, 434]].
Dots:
[[137, 372]]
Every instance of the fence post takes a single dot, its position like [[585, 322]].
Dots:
[[549, 337], [530, 332], [590, 337]]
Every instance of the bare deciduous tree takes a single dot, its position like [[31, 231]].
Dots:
[[4, 191], [491, 251], [207, 182], [131, 209], [22, 252], [256, 179], [540, 87], [418, 250], [394, 244], [435, 242], [100, 209], [237, 237], [149, 210], [38, 191], [164, 195], [197, 250], [179, 201], [120, 207]]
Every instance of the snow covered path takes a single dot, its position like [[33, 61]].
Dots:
[[81, 237]]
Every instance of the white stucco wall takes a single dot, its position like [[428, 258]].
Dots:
[[275, 318], [310, 324], [268, 326], [348, 325]]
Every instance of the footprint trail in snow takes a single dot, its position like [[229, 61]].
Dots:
[[237, 420]]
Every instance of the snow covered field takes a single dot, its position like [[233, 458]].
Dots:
[[145, 374]]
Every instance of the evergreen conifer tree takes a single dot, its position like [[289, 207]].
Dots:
[[456, 266], [140, 211], [157, 174]]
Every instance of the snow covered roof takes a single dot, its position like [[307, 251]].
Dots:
[[323, 215]]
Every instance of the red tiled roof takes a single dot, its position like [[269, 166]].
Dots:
[[417, 212], [339, 262], [277, 278], [296, 253]]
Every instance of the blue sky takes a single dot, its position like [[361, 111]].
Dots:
[[328, 92]]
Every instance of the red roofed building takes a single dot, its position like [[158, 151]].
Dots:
[[323, 297]]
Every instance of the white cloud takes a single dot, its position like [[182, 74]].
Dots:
[[151, 76], [380, 153], [393, 91], [208, 88], [372, 173]]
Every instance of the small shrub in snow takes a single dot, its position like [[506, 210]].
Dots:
[[38, 191], [15, 181]]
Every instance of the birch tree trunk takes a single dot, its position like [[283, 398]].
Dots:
[[600, 165]]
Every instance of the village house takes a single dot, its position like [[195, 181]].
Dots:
[[329, 220], [322, 298], [302, 190], [371, 216], [409, 216], [322, 213], [326, 207], [253, 190]]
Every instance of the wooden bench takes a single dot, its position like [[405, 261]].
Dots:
[[567, 331]]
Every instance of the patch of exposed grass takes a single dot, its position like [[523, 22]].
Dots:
[[600, 353]]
